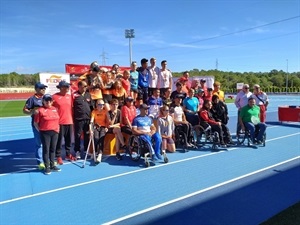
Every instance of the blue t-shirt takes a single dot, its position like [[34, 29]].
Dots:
[[191, 103], [142, 123], [32, 103], [133, 79]]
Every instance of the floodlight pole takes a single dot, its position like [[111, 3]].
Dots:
[[129, 33]]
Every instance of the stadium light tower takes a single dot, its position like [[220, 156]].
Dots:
[[129, 33]]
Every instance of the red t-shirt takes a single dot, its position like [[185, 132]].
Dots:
[[129, 112], [126, 86], [64, 105], [47, 119]]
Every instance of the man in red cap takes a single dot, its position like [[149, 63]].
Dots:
[[62, 100]]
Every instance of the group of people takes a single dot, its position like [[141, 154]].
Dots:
[[139, 101]]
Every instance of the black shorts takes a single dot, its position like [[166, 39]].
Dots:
[[126, 130]]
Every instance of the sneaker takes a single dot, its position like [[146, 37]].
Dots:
[[47, 171], [258, 142], [118, 156], [78, 156], [59, 161], [41, 166], [70, 158], [55, 169], [154, 158], [99, 158], [230, 143], [159, 156]]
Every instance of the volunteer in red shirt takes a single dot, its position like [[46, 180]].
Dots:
[[46, 121], [62, 100]]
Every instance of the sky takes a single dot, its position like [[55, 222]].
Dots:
[[239, 36]]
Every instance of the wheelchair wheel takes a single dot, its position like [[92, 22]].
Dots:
[[181, 140], [241, 138], [135, 149], [264, 140]]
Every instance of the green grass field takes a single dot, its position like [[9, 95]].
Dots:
[[15, 107], [12, 108]]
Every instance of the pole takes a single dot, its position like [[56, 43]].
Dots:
[[287, 76], [130, 52]]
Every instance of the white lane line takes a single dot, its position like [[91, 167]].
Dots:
[[122, 174], [197, 192]]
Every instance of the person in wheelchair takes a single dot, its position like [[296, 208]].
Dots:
[[219, 110], [191, 108], [250, 120], [143, 126], [206, 119], [180, 120]]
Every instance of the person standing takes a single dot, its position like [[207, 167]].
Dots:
[[165, 78], [143, 79], [240, 101], [82, 105], [46, 121], [217, 91], [153, 76], [62, 100], [30, 108], [261, 100], [133, 79]]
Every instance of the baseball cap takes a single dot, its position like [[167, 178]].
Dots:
[[179, 96], [200, 90], [96, 69], [39, 85], [144, 61], [128, 99], [63, 83], [203, 80], [209, 89], [256, 86], [144, 106], [47, 97]]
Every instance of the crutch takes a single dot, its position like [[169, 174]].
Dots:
[[91, 142]]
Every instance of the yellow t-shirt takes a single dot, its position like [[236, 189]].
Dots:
[[220, 94]]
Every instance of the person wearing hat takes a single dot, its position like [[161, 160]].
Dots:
[[165, 78], [143, 126], [95, 84], [30, 108], [208, 94], [218, 91], [46, 121], [262, 100], [240, 101], [203, 85], [178, 91], [143, 79], [99, 127], [62, 100]]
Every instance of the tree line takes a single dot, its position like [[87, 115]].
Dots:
[[273, 81]]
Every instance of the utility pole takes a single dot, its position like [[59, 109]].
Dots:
[[103, 56], [287, 76], [217, 64]]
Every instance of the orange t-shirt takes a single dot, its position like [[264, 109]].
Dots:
[[99, 117]]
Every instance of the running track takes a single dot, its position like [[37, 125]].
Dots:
[[239, 185]]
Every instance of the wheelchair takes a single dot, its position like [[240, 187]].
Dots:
[[182, 139], [206, 136], [138, 149], [243, 137]]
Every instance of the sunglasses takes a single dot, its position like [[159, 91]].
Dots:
[[166, 110], [100, 104]]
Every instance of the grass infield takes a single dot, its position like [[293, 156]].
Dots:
[[12, 108]]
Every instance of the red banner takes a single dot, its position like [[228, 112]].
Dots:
[[81, 69]]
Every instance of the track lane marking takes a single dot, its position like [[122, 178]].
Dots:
[[123, 174], [197, 192]]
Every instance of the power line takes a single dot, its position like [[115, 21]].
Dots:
[[231, 33]]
